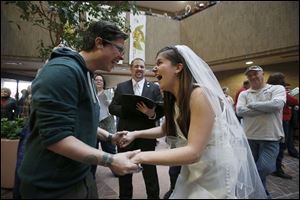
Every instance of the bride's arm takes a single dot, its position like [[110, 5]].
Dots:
[[200, 129], [151, 133]]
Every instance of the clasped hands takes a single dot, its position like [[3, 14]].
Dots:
[[126, 162], [123, 138]]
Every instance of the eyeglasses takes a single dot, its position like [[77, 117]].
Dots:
[[120, 48]]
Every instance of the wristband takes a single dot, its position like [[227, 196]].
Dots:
[[106, 160]]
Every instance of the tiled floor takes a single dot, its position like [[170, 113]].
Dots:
[[108, 184]]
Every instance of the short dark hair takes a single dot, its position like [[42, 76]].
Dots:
[[276, 78], [246, 82], [104, 29], [135, 60]]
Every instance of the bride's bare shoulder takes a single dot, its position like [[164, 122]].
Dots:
[[199, 100], [197, 95], [197, 92]]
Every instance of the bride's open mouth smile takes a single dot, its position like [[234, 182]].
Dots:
[[159, 77]]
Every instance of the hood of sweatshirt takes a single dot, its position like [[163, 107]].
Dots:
[[65, 51], [68, 52]]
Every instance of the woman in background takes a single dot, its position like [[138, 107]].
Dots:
[[106, 120]]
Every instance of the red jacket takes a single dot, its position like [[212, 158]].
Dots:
[[287, 109]]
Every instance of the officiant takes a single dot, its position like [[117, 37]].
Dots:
[[139, 86]]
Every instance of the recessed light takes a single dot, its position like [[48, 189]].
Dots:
[[13, 63], [249, 62]]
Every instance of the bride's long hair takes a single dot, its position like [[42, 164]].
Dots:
[[185, 87]]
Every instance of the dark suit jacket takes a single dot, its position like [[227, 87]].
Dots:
[[131, 123]]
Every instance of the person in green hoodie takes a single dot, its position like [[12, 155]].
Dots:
[[64, 120]]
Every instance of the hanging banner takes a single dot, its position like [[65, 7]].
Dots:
[[137, 37]]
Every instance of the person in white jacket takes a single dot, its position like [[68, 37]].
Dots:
[[261, 107]]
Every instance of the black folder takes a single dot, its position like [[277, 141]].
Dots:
[[129, 102]]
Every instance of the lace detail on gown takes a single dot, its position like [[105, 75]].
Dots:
[[208, 178]]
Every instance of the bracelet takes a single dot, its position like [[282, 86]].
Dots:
[[109, 138], [106, 160]]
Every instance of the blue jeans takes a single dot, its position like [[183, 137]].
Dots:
[[265, 154]]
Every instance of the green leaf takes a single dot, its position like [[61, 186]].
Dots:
[[11, 129]]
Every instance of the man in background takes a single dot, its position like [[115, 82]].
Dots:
[[139, 86], [261, 107]]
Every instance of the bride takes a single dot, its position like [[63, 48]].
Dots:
[[210, 144]]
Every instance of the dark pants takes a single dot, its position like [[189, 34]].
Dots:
[[149, 172], [289, 137], [279, 159], [106, 147], [239, 118], [174, 172], [289, 143], [84, 189], [107, 124], [20, 155]]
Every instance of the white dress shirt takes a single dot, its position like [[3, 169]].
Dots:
[[138, 86]]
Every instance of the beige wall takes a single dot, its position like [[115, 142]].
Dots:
[[234, 78], [161, 32], [15, 42], [232, 29], [223, 31]]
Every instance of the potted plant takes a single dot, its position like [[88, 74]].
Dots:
[[10, 131]]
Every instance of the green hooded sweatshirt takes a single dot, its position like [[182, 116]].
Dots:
[[64, 103]]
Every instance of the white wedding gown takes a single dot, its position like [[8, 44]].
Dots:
[[226, 168], [215, 174]]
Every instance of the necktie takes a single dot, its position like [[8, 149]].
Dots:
[[137, 89]]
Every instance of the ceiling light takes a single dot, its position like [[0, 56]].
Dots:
[[249, 62], [13, 63]]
